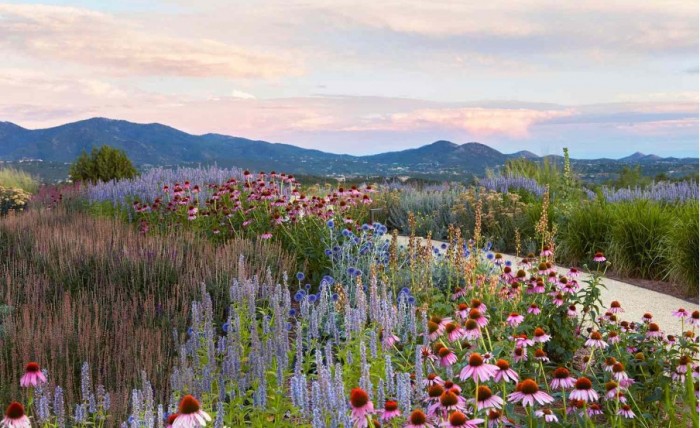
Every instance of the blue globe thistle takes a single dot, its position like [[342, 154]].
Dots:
[[443, 246], [300, 276], [330, 224], [312, 298], [292, 312], [334, 297], [489, 256]]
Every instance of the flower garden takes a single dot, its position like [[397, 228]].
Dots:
[[225, 298]]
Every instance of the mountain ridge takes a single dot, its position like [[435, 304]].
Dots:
[[156, 144]]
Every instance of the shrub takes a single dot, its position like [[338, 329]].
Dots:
[[103, 164], [12, 199], [585, 230]]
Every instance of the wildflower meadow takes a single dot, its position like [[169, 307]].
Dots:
[[227, 298]]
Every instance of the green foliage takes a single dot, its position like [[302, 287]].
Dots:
[[584, 231], [545, 173], [637, 235], [631, 177], [681, 247], [17, 179], [103, 164]]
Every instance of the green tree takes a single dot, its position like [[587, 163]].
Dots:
[[102, 164]]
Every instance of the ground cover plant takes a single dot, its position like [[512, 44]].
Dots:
[[111, 323]]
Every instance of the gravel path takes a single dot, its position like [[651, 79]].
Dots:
[[634, 300]]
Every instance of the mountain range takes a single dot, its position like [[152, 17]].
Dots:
[[155, 144]]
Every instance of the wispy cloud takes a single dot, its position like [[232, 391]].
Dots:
[[118, 46]]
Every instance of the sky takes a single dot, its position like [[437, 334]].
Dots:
[[603, 78]]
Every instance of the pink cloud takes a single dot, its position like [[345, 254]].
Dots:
[[118, 46]]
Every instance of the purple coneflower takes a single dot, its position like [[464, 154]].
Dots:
[[486, 399], [361, 407], [694, 318], [547, 414], [190, 414], [391, 410], [626, 411], [15, 417], [462, 310], [449, 401], [432, 379], [613, 337], [609, 363], [571, 312], [562, 379], [171, 419], [527, 393], [540, 355], [573, 272], [447, 357], [32, 376], [594, 409], [546, 251], [504, 372], [418, 419], [514, 319], [454, 332], [646, 318], [599, 257], [583, 390], [654, 331], [478, 304], [460, 420], [471, 330], [522, 341], [540, 336], [533, 309], [615, 307], [451, 386], [519, 354], [596, 341], [558, 299], [477, 316], [477, 369]]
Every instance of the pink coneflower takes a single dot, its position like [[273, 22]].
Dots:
[[391, 410], [462, 311], [171, 420], [558, 299], [478, 304], [694, 318], [434, 330], [596, 341], [546, 251], [266, 235], [451, 386], [361, 407], [615, 307], [527, 393], [507, 274], [562, 379], [684, 363], [626, 411], [646, 318], [496, 419], [542, 269], [471, 330], [599, 257], [190, 414], [613, 337], [514, 319], [449, 401], [594, 409], [389, 339], [573, 272], [460, 292], [619, 372], [447, 357], [432, 379], [533, 309], [477, 316], [547, 414], [454, 332], [583, 390], [609, 363], [418, 419], [15, 417], [522, 341], [540, 336], [32, 376], [504, 372], [459, 420], [654, 331], [434, 393], [486, 399], [572, 312], [519, 354], [477, 369], [540, 355]]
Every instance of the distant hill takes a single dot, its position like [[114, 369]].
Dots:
[[155, 144]]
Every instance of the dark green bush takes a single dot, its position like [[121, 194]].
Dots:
[[103, 164], [681, 247], [585, 230]]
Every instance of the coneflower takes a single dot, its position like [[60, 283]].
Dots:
[[583, 390], [449, 401], [432, 379], [596, 341], [540, 336], [362, 407], [471, 330], [15, 417], [571, 312], [547, 414], [615, 307], [447, 357], [514, 319], [534, 309], [32, 376], [476, 315], [694, 319], [477, 369], [562, 379], [654, 331], [599, 257], [454, 332], [391, 411], [504, 372], [171, 419], [418, 419], [541, 355], [626, 411], [190, 414], [519, 354], [486, 399], [459, 420], [528, 392]]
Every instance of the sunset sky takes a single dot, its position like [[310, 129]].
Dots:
[[604, 78]]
